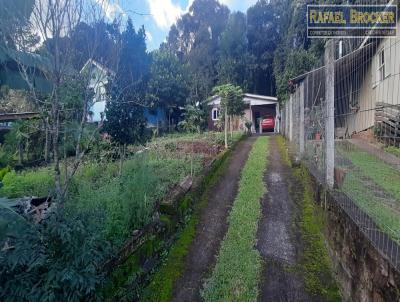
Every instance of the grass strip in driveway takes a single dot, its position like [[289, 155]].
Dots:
[[238, 269]]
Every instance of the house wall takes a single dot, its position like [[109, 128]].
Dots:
[[238, 122], [374, 90], [98, 83]]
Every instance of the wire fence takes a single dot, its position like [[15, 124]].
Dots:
[[357, 146]]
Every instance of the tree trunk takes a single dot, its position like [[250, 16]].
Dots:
[[226, 131], [47, 140], [231, 119], [20, 153]]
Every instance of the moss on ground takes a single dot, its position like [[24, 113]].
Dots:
[[315, 263], [238, 269]]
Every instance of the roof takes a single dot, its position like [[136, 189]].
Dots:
[[248, 98], [97, 65]]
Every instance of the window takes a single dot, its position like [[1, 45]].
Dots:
[[381, 65], [215, 114]]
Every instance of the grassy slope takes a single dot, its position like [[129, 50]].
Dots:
[[381, 173], [236, 274], [372, 202], [160, 288], [375, 206]]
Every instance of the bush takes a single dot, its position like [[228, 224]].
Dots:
[[38, 182], [58, 260]]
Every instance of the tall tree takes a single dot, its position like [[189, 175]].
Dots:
[[263, 35], [125, 115], [195, 39], [233, 52], [168, 85]]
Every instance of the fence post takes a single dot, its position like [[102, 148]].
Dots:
[[286, 120], [291, 118], [301, 122], [330, 111]]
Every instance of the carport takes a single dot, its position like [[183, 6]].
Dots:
[[259, 107]]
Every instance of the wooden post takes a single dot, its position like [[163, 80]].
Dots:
[[301, 122], [330, 111]]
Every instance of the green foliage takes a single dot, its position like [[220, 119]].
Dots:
[[125, 116], [264, 32], [195, 38], [193, 119], [168, 83], [233, 52], [37, 182], [3, 172], [231, 99], [393, 150], [237, 272], [59, 259], [296, 62]]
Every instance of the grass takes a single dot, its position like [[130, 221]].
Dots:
[[381, 173], [375, 206], [370, 183], [160, 288], [393, 150], [38, 182], [238, 268]]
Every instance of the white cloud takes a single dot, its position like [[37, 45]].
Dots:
[[164, 12], [111, 9], [149, 36]]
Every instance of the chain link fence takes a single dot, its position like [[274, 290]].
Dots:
[[355, 150]]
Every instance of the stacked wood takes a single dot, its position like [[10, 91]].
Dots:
[[387, 122]]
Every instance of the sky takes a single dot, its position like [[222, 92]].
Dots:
[[159, 15]]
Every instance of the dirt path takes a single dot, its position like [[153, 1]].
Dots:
[[212, 227], [277, 242]]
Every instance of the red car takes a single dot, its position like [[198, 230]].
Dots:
[[268, 123]]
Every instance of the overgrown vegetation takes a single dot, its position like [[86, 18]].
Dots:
[[238, 268], [102, 207]]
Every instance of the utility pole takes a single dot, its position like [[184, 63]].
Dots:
[[330, 112]]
